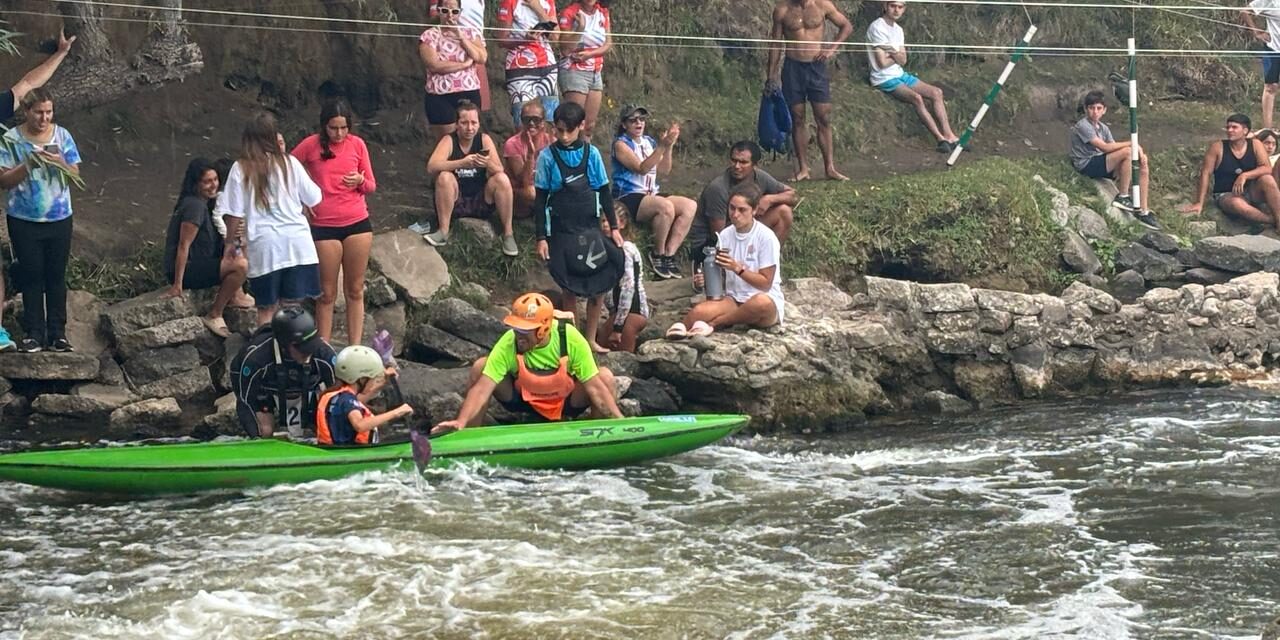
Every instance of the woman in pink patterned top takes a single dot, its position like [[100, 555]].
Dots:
[[584, 40], [452, 54]]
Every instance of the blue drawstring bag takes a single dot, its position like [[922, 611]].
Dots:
[[773, 125]]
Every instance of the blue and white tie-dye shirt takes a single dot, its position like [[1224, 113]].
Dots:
[[45, 196]]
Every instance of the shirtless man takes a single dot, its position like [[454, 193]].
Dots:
[[803, 75]]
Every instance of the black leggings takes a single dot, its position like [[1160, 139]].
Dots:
[[42, 250]]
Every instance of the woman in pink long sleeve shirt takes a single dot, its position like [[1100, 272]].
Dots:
[[338, 161]]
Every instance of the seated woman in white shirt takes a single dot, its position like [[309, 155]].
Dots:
[[749, 253]]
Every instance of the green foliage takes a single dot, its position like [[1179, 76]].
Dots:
[[8, 40], [114, 280], [988, 219], [472, 259]]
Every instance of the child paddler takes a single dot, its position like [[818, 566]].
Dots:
[[342, 418]]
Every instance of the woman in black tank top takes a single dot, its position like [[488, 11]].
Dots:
[[470, 180]]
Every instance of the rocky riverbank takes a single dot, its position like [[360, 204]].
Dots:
[[147, 367]]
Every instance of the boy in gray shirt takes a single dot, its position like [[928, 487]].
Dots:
[[1096, 154]]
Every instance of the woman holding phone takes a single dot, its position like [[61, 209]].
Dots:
[[338, 161], [40, 161], [469, 179]]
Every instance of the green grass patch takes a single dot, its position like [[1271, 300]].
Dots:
[[987, 220]]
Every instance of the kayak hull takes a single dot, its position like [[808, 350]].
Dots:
[[190, 468]]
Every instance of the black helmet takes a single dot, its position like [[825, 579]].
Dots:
[[294, 325]]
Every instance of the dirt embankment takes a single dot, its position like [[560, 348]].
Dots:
[[136, 148]]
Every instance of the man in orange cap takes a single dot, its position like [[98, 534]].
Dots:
[[543, 365]]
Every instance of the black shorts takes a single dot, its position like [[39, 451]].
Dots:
[[443, 108], [803, 81], [1097, 167], [341, 233], [632, 202], [201, 273]]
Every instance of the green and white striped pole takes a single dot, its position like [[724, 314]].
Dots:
[[1018, 52], [1135, 163]]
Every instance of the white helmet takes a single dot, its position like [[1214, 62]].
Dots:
[[356, 362]]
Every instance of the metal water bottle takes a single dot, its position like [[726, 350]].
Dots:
[[712, 274]]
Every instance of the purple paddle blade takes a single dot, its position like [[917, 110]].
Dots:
[[421, 449], [385, 347]]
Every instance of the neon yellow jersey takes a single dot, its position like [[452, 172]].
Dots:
[[582, 363]]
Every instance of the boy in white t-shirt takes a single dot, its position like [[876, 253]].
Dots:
[[749, 254], [1270, 11], [887, 54]]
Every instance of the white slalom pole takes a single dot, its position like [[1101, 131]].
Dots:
[[1018, 52], [1135, 161]]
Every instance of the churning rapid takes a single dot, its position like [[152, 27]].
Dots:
[[1148, 516]]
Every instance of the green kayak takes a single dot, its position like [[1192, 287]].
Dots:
[[187, 468]]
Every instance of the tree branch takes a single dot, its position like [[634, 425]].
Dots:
[[96, 74]]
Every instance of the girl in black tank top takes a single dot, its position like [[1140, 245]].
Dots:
[[470, 180], [1230, 167]]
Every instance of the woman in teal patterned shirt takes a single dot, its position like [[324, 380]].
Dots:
[[38, 159]]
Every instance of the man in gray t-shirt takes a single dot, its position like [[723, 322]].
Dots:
[[1096, 154], [774, 209]]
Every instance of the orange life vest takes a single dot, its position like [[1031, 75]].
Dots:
[[546, 390], [323, 435]]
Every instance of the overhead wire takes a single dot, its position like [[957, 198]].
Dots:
[[701, 42]]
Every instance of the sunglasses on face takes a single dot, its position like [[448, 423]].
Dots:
[[524, 333], [636, 119], [529, 120], [449, 12]]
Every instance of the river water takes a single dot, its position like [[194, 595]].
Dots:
[[1148, 516]]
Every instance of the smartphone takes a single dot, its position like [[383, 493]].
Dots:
[[53, 148], [483, 152]]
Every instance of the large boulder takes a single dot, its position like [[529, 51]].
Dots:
[[434, 394], [84, 323], [410, 264], [145, 311], [1088, 223], [168, 334], [653, 397], [378, 292], [1147, 262], [155, 364], [149, 418], [467, 322], [111, 396], [430, 344], [1240, 253], [1160, 241], [1128, 285], [71, 406], [189, 387], [1078, 255], [48, 365]]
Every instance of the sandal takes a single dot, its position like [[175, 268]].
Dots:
[[677, 332], [217, 326], [701, 328], [243, 300]]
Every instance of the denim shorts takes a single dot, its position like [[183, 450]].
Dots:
[[299, 282], [578, 81]]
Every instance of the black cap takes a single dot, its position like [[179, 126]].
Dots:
[[629, 110], [294, 325]]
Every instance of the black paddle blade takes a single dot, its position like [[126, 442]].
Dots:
[[421, 449]]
